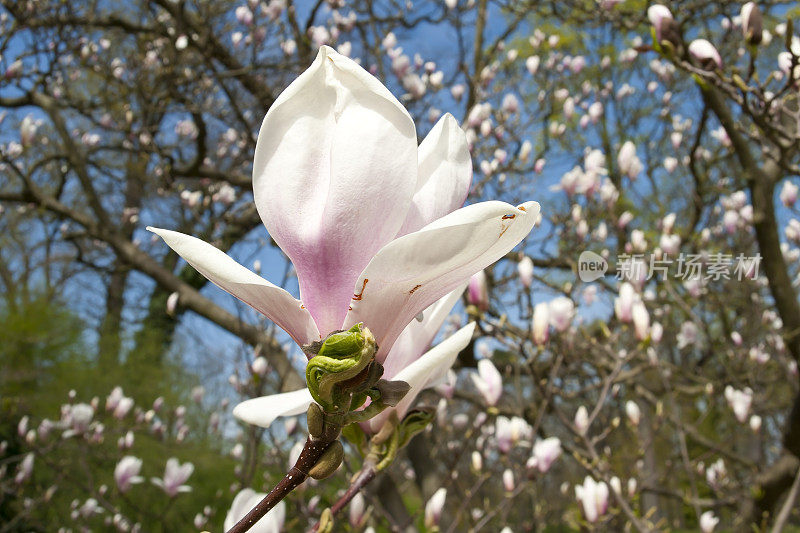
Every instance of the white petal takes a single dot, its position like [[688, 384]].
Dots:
[[264, 410], [444, 175], [276, 303], [334, 172], [412, 272], [417, 336], [427, 371]]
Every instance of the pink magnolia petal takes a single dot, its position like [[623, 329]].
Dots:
[[275, 303], [444, 175], [264, 410], [418, 336], [334, 172], [427, 371], [412, 272]]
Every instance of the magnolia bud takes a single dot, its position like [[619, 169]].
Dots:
[[752, 24], [433, 509], [329, 462], [705, 55]]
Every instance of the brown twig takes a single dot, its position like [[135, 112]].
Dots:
[[363, 478], [311, 454]]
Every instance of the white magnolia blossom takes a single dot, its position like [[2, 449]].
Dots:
[[433, 509], [488, 381], [175, 475], [545, 452], [708, 521], [126, 473], [739, 401], [406, 246], [593, 496]]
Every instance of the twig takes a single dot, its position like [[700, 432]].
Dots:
[[311, 454], [363, 478], [786, 510]]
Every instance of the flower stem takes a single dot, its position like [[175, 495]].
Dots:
[[311, 454], [363, 478]]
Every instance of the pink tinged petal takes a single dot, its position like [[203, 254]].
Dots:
[[412, 272], [427, 371], [275, 303], [444, 175], [264, 410], [334, 172], [541, 323], [418, 336], [488, 381]]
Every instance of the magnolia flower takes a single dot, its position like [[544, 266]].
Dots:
[[641, 320], [357, 515], [705, 54], [488, 381], [659, 16], [259, 366], [708, 521], [508, 480], [788, 194], [25, 469], [511, 431], [525, 271], [629, 163], [633, 412], [369, 220], [623, 304], [541, 323], [433, 509], [126, 473], [582, 420], [752, 23], [244, 501], [478, 293], [739, 401], [175, 475], [545, 452], [562, 310], [593, 496]]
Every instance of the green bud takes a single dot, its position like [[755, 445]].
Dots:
[[340, 358], [326, 521], [414, 422], [329, 462], [316, 420]]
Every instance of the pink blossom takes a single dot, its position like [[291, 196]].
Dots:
[[175, 475], [478, 291], [705, 54], [525, 271], [541, 323], [488, 381], [434, 507], [126, 473], [562, 310], [593, 496], [545, 452]]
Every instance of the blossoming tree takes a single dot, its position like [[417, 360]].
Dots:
[[630, 363]]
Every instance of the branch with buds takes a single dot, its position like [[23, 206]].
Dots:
[[342, 375]]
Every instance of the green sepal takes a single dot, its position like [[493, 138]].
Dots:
[[414, 422], [356, 436]]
